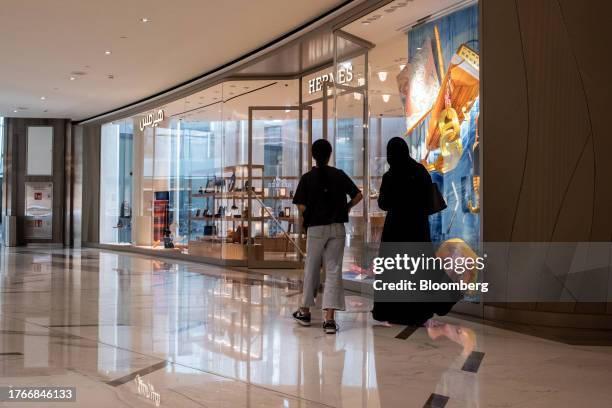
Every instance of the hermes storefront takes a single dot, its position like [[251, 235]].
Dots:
[[210, 175]]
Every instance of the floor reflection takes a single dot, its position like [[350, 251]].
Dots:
[[202, 335]]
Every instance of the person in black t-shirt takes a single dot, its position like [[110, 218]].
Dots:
[[321, 197]]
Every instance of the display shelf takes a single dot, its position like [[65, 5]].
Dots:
[[260, 234]]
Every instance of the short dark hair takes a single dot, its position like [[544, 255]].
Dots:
[[321, 151]]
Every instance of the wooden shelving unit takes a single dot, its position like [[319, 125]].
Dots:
[[251, 223]]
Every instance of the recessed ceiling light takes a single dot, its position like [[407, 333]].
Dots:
[[72, 78], [42, 98], [386, 97], [145, 20], [382, 75], [107, 52], [15, 111], [402, 66]]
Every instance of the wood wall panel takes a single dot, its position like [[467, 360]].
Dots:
[[545, 65], [90, 222]]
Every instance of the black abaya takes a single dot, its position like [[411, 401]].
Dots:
[[404, 194]]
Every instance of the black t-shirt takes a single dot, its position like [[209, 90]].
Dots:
[[323, 191]]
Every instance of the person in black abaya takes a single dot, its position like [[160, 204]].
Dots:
[[405, 196]]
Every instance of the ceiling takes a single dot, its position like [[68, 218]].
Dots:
[[46, 43], [387, 32]]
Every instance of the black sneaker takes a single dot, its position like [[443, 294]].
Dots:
[[302, 318], [330, 327]]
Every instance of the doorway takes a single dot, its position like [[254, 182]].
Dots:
[[279, 140]]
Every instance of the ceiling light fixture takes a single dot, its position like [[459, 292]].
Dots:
[[72, 78], [145, 20], [382, 75], [42, 98], [15, 111], [386, 97], [107, 52], [361, 81], [402, 66]]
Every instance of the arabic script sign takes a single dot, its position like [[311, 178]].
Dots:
[[152, 120]]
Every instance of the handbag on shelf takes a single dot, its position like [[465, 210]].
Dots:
[[436, 200]]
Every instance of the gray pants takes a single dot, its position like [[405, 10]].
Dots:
[[324, 247]]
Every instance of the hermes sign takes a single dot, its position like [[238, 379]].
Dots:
[[345, 74], [152, 120]]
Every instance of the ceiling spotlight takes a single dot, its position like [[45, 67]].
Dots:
[[287, 110], [145, 20], [15, 111], [107, 52], [386, 97], [42, 98], [419, 48], [357, 96], [72, 78], [402, 66], [382, 75]]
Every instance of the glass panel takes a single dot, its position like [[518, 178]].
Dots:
[[349, 141], [276, 138], [197, 165], [116, 183]]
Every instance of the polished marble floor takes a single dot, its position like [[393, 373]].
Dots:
[[132, 331]]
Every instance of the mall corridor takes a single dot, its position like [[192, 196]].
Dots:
[[133, 331]]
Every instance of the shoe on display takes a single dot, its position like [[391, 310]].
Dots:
[[302, 318], [330, 327]]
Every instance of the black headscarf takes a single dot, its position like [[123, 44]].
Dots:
[[398, 154]]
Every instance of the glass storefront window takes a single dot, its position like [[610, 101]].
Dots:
[[422, 85], [212, 175]]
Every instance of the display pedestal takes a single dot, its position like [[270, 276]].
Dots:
[[225, 250]]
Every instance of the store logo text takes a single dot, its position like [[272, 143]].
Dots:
[[150, 121], [345, 74]]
